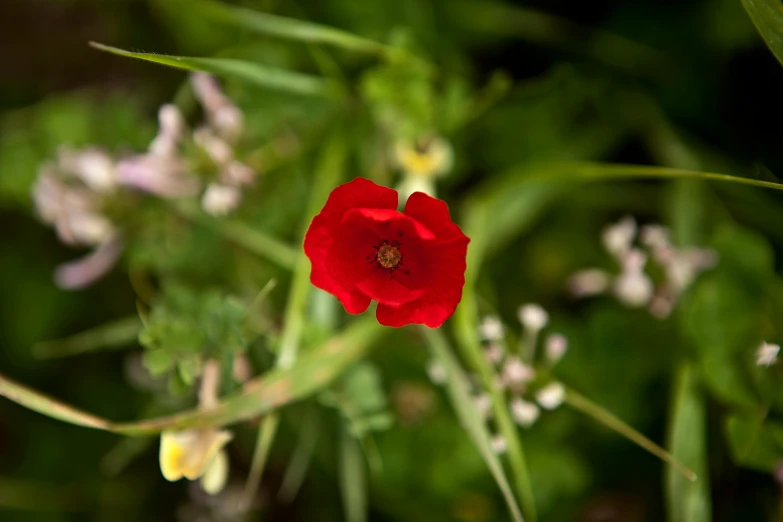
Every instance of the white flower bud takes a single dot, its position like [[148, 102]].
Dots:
[[499, 444], [515, 372], [436, 372], [555, 347], [533, 317], [220, 200], [551, 396], [767, 354], [618, 238], [634, 289], [491, 329], [524, 413], [484, 405]]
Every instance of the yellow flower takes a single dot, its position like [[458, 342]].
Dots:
[[194, 454], [429, 157]]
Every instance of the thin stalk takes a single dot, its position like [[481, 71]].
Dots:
[[608, 419], [266, 434]]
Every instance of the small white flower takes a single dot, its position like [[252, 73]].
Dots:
[[551, 396], [634, 289], [221, 112], [491, 329], [163, 176], [499, 444], [436, 372], [655, 236], [589, 282], [237, 173], [555, 347], [525, 413], [533, 317], [767, 354], [484, 405], [220, 200], [516, 372], [494, 352], [618, 238]]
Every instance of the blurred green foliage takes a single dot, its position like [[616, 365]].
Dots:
[[512, 86]]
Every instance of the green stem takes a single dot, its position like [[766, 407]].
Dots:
[[466, 330], [266, 434], [606, 418]]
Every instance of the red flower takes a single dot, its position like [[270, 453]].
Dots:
[[412, 263]]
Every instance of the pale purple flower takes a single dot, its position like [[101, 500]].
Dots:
[[163, 176], [221, 113], [83, 272], [516, 373], [555, 347], [93, 166]]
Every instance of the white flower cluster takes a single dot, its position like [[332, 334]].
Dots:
[[74, 192], [526, 391], [632, 286]]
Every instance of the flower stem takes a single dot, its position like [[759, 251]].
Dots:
[[466, 331], [608, 419]]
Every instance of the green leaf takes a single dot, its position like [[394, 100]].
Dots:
[[282, 27], [688, 501], [115, 334], [608, 419], [353, 480], [754, 443], [254, 73], [458, 387], [314, 371], [767, 16]]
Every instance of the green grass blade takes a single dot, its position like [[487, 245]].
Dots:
[[300, 461], [313, 372], [353, 478], [459, 391], [282, 27], [247, 237], [53, 408], [266, 435], [115, 334], [767, 16], [608, 419], [688, 501], [607, 171], [251, 72]]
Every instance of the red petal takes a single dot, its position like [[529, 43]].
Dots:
[[359, 193], [441, 296], [445, 270], [318, 247], [434, 214], [320, 237]]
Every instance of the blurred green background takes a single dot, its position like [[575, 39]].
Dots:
[[683, 84]]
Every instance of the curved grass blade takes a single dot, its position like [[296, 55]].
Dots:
[[602, 171], [283, 27], [257, 74], [115, 334], [353, 479], [458, 388], [688, 501], [606, 418], [259, 396], [266, 435], [767, 16]]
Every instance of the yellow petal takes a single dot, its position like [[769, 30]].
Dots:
[[214, 479], [174, 448], [203, 451]]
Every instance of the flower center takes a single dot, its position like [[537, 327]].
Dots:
[[389, 256]]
